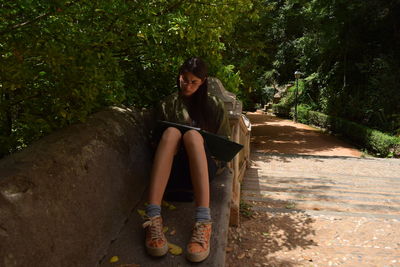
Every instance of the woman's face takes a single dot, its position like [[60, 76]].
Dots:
[[189, 83]]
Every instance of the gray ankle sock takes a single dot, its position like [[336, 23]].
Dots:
[[202, 214], [153, 210]]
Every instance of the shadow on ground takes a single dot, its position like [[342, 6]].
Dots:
[[265, 231], [292, 140], [273, 227], [275, 135]]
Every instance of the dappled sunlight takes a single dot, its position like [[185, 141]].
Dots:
[[275, 135], [320, 210], [269, 231], [299, 189]]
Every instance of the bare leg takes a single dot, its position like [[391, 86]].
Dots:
[[167, 148], [194, 145]]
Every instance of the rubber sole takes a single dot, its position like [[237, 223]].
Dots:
[[157, 252], [198, 257]]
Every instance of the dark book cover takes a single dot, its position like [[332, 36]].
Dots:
[[220, 147]]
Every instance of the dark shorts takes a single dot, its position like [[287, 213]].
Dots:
[[179, 187]]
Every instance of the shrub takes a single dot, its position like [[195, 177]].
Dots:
[[281, 110], [302, 113]]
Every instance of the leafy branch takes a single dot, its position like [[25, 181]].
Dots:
[[42, 16]]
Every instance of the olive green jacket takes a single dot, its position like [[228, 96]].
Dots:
[[173, 109]]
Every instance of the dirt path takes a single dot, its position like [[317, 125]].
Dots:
[[309, 199], [275, 135]]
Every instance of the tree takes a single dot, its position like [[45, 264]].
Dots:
[[63, 60]]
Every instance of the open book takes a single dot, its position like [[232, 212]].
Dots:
[[220, 147]]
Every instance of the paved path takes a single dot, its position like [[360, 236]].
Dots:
[[316, 205]]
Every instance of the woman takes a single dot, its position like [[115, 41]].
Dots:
[[182, 158]]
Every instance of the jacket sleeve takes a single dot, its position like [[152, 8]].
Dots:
[[223, 126]]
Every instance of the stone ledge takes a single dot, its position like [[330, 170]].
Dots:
[[129, 245], [65, 197]]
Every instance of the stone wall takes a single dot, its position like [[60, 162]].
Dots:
[[63, 199]]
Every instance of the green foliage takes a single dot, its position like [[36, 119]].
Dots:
[[229, 78], [250, 48], [63, 60], [267, 94], [303, 114], [347, 50], [352, 48], [285, 107], [246, 209], [281, 110]]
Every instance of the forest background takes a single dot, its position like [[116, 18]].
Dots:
[[63, 60]]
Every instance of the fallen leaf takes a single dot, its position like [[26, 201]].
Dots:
[[174, 249], [168, 205], [141, 213], [291, 205], [228, 249], [165, 204], [173, 232], [129, 265], [165, 229], [241, 256], [114, 259], [171, 207]]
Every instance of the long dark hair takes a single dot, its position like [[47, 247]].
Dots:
[[197, 103]]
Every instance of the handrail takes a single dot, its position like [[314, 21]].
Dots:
[[240, 134]]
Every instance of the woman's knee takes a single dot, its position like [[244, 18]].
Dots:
[[171, 134], [192, 137]]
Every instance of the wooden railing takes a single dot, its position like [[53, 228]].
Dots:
[[241, 130]]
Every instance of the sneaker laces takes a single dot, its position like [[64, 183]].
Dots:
[[198, 235], [156, 227]]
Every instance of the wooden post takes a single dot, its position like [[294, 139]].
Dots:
[[235, 202]]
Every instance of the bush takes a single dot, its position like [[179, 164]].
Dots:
[[285, 107], [302, 111], [64, 60], [379, 143], [281, 110]]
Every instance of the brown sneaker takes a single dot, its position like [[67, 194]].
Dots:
[[156, 243], [199, 245]]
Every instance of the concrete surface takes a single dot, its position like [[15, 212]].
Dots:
[[65, 197], [129, 245], [315, 202], [326, 211]]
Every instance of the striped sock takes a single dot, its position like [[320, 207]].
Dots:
[[153, 210], [202, 214]]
